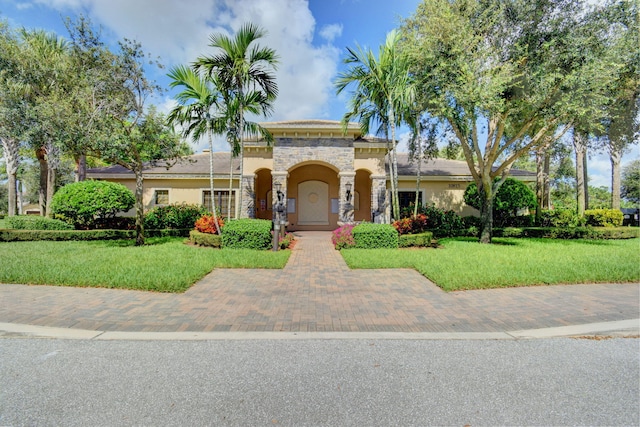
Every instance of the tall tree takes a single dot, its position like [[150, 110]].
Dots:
[[498, 70], [10, 111], [383, 95], [137, 136], [621, 125], [242, 66], [196, 112]]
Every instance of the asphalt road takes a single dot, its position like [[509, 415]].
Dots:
[[560, 381]]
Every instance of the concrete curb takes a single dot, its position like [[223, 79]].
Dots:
[[619, 328]]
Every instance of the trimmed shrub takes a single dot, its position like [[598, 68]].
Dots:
[[59, 235], [369, 236], [604, 217], [560, 218], [205, 239], [411, 225], [601, 233], [415, 240], [342, 238], [82, 203], [442, 222], [29, 222], [178, 215], [207, 224], [247, 233], [512, 196]]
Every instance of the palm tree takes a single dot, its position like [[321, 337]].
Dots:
[[196, 103], [242, 67], [383, 94]]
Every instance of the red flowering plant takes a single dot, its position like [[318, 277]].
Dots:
[[343, 237], [207, 224], [412, 225]]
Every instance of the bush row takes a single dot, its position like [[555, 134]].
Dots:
[[569, 232], [33, 222], [16, 235], [247, 234]]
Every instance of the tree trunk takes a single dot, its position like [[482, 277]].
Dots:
[[81, 167], [12, 159], [585, 179], [19, 197], [486, 213], [615, 155], [546, 199], [395, 203], [540, 183], [213, 205], [139, 206], [42, 190], [580, 148], [230, 183], [51, 186], [53, 161], [418, 177]]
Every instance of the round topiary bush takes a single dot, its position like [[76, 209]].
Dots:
[[512, 196], [84, 203]]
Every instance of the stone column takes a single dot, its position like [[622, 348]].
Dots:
[[281, 177], [248, 188], [379, 203], [345, 208]]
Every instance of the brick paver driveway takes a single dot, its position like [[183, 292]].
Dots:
[[317, 292]]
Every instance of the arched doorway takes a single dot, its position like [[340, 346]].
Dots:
[[312, 197]]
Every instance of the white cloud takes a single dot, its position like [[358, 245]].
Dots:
[[330, 32], [178, 33], [24, 6]]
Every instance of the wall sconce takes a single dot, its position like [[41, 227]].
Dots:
[[348, 187], [279, 193]]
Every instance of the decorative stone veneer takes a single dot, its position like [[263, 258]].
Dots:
[[288, 152], [379, 203], [248, 196]]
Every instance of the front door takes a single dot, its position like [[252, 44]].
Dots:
[[313, 203]]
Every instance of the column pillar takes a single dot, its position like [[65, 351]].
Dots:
[[379, 204], [345, 207], [248, 188]]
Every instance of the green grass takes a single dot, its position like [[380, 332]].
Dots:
[[465, 264], [163, 265]]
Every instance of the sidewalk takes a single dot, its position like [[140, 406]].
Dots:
[[316, 292]]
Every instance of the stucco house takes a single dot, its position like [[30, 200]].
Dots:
[[323, 176]]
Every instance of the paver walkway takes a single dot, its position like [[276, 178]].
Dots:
[[317, 292]]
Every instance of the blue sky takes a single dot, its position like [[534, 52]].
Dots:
[[309, 36]]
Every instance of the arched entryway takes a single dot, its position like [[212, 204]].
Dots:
[[312, 197], [263, 202], [362, 196]]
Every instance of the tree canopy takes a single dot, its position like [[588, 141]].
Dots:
[[507, 75]]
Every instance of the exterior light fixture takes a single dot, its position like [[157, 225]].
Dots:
[[348, 187]]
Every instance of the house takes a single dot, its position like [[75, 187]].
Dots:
[[314, 177]]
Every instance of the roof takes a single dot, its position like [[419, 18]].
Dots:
[[194, 166], [445, 167], [197, 165]]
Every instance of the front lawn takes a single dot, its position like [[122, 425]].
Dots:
[[163, 265], [465, 264]]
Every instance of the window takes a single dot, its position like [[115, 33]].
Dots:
[[407, 198], [162, 197], [221, 201]]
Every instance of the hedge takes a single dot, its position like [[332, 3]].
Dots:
[[369, 236], [205, 239], [8, 235], [247, 234], [604, 217], [602, 233], [33, 222], [415, 240]]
